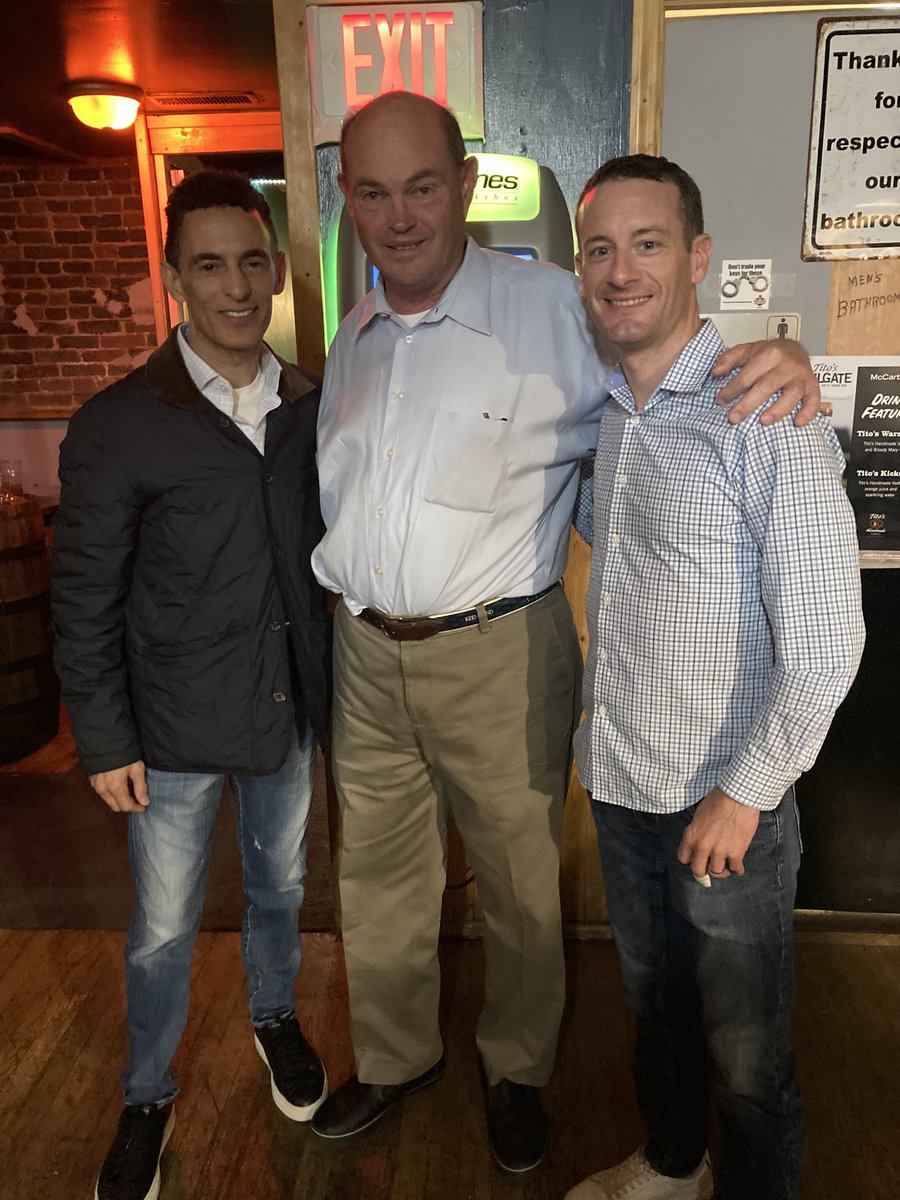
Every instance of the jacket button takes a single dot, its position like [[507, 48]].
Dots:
[[278, 697], [269, 478], [274, 626], [224, 422]]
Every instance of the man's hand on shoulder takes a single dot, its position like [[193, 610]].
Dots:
[[766, 368], [717, 838], [123, 789]]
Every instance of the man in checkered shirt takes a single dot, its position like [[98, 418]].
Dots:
[[725, 624]]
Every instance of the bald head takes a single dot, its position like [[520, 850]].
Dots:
[[399, 105]]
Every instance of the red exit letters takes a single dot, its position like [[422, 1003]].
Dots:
[[411, 27]]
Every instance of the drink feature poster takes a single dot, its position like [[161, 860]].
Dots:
[[865, 396]]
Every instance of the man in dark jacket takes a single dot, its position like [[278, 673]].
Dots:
[[193, 643]]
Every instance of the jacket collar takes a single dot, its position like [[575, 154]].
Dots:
[[168, 376]]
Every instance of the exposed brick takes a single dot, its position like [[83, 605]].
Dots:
[[107, 221], [72, 237], [78, 371], [56, 263], [76, 341]]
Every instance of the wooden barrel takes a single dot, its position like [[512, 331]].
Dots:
[[29, 689]]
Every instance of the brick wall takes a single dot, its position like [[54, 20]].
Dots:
[[76, 309]]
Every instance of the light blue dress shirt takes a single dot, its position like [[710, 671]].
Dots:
[[448, 452], [724, 599]]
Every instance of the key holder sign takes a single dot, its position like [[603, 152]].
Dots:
[[358, 52]]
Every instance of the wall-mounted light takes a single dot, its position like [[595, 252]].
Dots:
[[103, 104]]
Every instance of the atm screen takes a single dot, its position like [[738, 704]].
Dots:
[[372, 271]]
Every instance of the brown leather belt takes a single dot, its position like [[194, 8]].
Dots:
[[416, 629]]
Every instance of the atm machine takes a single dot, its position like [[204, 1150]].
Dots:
[[517, 207]]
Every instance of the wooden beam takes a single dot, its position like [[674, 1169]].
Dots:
[[300, 173], [647, 62]]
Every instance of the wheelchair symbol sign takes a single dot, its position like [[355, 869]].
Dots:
[[744, 284]]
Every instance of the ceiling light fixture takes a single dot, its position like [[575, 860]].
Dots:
[[103, 104]]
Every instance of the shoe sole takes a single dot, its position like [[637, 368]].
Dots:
[[294, 1112], [352, 1133], [516, 1172], [153, 1192]]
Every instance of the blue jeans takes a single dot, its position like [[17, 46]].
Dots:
[[169, 847], [709, 975]]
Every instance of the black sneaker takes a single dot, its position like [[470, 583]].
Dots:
[[298, 1078], [131, 1168]]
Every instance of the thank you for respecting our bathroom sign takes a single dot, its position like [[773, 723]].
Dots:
[[853, 182]]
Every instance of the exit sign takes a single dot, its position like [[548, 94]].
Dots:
[[358, 52]]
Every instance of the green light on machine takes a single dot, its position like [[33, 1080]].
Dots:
[[507, 188]]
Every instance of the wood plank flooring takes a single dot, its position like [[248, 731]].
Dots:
[[62, 1042]]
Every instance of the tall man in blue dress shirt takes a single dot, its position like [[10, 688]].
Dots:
[[459, 397], [725, 629]]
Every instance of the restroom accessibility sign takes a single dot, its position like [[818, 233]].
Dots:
[[853, 179]]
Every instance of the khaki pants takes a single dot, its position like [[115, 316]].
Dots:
[[477, 722]]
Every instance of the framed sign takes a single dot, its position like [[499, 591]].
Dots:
[[358, 52], [853, 180]]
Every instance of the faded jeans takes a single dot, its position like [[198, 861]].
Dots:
[[709, 975], [169, 847]]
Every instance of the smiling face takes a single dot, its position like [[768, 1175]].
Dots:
[[227, 273], [408, 197], [638, 274]]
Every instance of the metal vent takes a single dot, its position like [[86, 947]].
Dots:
[[192, 101]]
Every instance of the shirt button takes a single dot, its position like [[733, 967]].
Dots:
[[278, 697], [274, 626], [635, 420], [616, 539], [379, 512], [399, 395], [604, 657], [623, 479], [408, 338], [379, 570], [389, 454], [607, 599], [602, 711]]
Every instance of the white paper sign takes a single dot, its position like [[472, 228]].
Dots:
[[853, 181], [744, 284]]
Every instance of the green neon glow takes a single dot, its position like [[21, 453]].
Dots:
[[508, 188], [328, 265]]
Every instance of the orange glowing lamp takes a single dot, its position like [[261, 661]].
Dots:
[[104, 105]]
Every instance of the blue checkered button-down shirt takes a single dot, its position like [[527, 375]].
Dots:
[[724, 601]]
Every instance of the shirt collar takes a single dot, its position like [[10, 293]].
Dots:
[[466, 299], [203, 374], [688, 373]]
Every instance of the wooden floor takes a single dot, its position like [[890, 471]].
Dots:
[[62, 1042]]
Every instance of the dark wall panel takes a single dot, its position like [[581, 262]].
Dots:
[[556, 89], [849, 800]]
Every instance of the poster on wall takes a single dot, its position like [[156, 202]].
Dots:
[[865, 397], [853, 175], [744, 284]]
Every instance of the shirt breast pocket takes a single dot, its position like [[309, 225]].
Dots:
[[467, 461]]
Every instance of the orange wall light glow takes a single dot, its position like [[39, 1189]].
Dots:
[[104, 106]]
